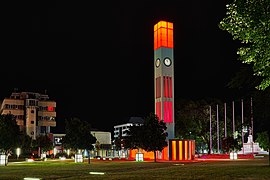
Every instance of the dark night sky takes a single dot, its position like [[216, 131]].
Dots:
[[97, 59]]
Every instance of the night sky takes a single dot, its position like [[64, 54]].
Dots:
[[96, 60]]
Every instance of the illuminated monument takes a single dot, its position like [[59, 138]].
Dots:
[[164, 80], [177, 150], [164, 93]]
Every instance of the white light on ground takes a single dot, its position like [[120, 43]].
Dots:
[[62, 158], [54, 151], [30, 160], [100, 173]]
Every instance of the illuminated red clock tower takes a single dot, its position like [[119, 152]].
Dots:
[[177, 149], [164, 79]]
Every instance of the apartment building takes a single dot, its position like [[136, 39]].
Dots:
[[34, 112]]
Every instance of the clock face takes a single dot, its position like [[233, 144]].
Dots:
[[167, 61], [157, 62]]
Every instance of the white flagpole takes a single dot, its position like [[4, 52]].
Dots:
[[233, 118], [217, 131], [251, 119], [242, 110], [251, 112], [210, 140], [225, 123]]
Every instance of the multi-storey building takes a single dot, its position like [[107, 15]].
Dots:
[[121, 131], [34, 112]]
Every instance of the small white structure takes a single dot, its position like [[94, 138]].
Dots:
[[139, 156], [233, 155], [78, 158], [3, 159], [251, 147]]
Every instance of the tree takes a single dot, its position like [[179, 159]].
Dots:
[[9, 134], [245, 81], [43, 143], [231, 144], [78, 135], [154, 134], [192, 121], [150, 136], [26, 144], [119, 142], [134, 138], [263, 140], [249, 22]]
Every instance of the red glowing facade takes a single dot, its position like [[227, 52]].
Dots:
[[163, 35], [181, 150]]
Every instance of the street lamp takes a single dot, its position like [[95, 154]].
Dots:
[[18, 152], [68, 152], [54, 152]]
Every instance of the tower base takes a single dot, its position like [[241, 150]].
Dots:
[[177, 150]]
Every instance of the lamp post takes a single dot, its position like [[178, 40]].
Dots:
[[217, 132], [18, 152], [54, 152]]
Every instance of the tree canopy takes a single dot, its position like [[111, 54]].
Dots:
[[78, 135], [263, 140], [249, 22], [151, 136], [135, 137], [43, 142], [9, 133]]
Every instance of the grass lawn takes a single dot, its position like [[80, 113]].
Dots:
[[68, 169]]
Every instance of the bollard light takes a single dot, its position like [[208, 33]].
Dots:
[[18, 152]]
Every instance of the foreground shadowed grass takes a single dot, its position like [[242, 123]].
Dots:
[[229, 169]]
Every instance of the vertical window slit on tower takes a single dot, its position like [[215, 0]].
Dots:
[[158, 93], [170, 87], [167, 87], [158, 109]]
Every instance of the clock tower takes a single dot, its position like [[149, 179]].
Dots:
[[164, 78]]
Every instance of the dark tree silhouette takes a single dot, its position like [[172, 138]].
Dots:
[[78, 135]]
